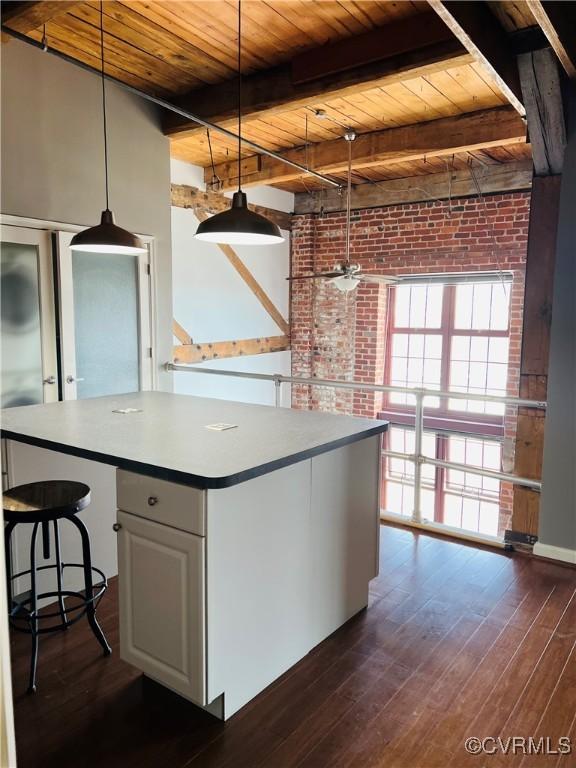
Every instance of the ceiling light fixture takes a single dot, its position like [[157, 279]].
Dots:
[[239, 225], [106, 237]]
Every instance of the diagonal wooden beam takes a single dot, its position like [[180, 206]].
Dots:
[[413, 189], [24, 16], [403, 51], [250, 280], [181, 333], [481, 34], [558, 22], [184, 196], [214, 350], [446, 136]]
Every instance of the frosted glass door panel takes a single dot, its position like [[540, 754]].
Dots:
[[20, 329], [106, 324]]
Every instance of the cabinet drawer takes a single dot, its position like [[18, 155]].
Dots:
[[179, 506]]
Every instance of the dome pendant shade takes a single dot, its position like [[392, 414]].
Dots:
[[239, 226], [106, 237]]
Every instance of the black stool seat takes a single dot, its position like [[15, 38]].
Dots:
[[43, 505], [44, 501]]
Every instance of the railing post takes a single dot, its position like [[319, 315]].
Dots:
[[418, 433], [277, 390]]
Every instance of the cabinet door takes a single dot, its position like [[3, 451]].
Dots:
[[161, 577]]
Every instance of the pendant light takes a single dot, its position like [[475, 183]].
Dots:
[[106, 237], [239, 225], [347, 282]]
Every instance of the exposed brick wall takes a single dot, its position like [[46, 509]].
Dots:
[[342, 336]]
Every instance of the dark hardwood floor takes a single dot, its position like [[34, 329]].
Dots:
[[457, 642]]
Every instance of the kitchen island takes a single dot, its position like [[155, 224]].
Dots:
[[246, 534]]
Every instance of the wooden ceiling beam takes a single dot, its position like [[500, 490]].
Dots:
[[482, 36], [275, 90], [24, 16], [446, 136], [558, 22], [185, 196], [425, 188]]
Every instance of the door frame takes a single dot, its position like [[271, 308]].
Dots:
[[63, 259], [26, 235]]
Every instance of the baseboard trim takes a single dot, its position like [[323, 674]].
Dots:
[[555, 553]]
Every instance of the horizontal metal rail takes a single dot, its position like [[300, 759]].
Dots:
[[504, 477], [414, 391]]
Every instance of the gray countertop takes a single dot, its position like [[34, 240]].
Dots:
[[168, 437]]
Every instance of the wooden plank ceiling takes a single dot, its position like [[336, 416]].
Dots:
[[182, 49]]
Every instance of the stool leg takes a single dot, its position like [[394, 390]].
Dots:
[[87, 560], [59, 569], [33, 612], [8, 557]]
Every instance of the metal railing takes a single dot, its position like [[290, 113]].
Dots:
[[420, 394]]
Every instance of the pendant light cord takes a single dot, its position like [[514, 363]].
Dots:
[[348, 196], [239, 95], [104, 101]]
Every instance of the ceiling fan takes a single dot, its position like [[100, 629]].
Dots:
[[347, 276]]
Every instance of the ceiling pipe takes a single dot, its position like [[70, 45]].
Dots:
[[172, 107]]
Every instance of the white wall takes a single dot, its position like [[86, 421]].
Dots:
[[52, 159], [212, 302], [52, 169]]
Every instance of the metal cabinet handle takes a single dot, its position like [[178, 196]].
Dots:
[[49, 380], [152, 501], [72, 379], [116, 527]]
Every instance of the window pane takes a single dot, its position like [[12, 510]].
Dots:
[[477, 452], [418, 306], [416, 345], [402, 306], [488, 518], [479, 348], [463, 310], [498, 350], [400, 345], [500, 306], [434, 306], [433, 346], [481, 306], [427, 501], [478, 364]]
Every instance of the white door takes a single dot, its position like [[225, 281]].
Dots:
[[162, 606], [28, 372], [105, 333]]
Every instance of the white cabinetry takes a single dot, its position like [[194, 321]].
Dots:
[[162, 611], [223, 590]]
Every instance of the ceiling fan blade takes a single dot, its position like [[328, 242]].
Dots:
[[382, 279], [320, 275]]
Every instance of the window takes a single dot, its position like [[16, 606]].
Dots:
[[450, 496], [448, 335]]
